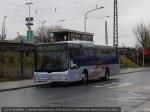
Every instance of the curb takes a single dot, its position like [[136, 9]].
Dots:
[[136, 71], [23, 87]]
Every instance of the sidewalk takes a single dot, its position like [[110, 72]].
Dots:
[[131, 70], [13, 85]]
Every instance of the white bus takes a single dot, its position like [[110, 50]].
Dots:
[[70, 61]]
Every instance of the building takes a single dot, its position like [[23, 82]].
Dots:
[[10, 60], [69, 35]]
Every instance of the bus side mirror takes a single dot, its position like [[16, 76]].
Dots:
[[73, 65]]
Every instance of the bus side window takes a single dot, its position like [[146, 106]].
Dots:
[[91, 57], [99, 56]]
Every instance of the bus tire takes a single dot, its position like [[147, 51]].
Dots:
[[85, 76], [107, 74]]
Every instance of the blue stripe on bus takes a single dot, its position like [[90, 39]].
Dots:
[[104, 58]]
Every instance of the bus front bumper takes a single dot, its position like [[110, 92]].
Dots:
[[51, 77]]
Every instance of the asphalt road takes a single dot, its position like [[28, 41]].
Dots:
[[128, 91]]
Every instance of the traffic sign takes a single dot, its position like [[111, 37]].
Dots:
[[31, 19], [29, 24]]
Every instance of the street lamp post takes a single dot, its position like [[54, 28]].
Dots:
[[137, 54], [61, 21], [3, 28], [3, 36], [137, 61], [43, 40], [29, 3], [43, 23], [143, 57], [106, 34], [143, 60], [85, 17]]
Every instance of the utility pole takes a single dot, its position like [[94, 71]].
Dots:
[[28, 24], [115, 30], [115, 26], [29, 20]]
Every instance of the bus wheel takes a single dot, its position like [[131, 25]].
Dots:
[[85, 77], [107, 75]]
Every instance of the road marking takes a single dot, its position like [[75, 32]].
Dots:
[[127, 100], [131, 100], [148, 109], [137, 94], [106, 85], [121, 85], [100, 86]]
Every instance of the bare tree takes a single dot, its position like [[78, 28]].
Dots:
[[44, 35], [142, 33]]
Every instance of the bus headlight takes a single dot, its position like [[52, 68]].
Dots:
[[65, 76]]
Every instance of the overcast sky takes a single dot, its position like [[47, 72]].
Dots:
[[131, 13]]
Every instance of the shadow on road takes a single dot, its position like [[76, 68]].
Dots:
[[79, 83]]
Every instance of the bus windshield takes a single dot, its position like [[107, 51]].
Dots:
[[52, 60]]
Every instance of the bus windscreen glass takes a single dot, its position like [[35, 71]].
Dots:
[[51, 58]]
